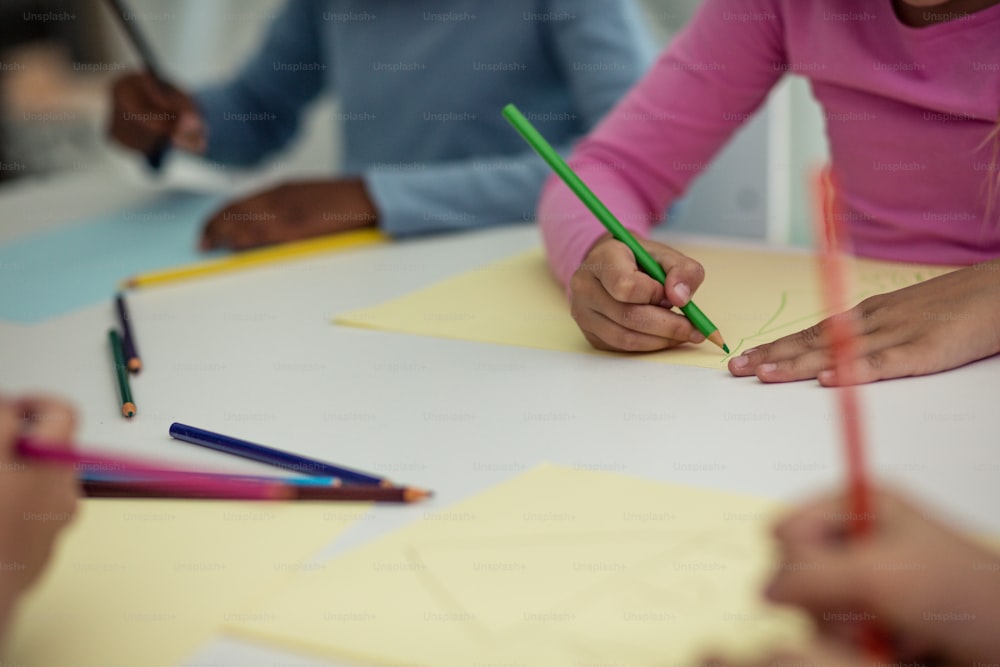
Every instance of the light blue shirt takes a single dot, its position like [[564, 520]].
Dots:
[[421, 84]]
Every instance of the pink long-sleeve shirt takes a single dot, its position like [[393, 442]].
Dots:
[[908, 114]]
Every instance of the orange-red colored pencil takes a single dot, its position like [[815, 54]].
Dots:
[[843, 348], [843, 345]]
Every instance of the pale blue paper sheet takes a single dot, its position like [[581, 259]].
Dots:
[[56, 272]]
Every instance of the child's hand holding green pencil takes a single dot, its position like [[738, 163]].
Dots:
[[621, 289]]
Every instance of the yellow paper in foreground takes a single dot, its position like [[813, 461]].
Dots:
[[146, 582], [753, 296], [555, 567]]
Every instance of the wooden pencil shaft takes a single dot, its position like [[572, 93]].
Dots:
[[356, 492], [181, 490], [269, 455], [121, 371], [153, 489], [128, 336], [138, 39]]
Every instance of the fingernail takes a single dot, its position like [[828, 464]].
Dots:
[[826, 376], [684, 292], [741, 361], [696, 337], [767, 368]]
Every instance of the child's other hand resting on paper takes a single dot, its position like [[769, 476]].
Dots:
[[937, 325], [290, 212], [620, 308], [36, 500]]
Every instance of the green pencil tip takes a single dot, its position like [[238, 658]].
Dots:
[[725, 348]]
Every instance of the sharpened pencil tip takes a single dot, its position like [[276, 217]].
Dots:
[[718, 340], [129, 410], [412, 495]]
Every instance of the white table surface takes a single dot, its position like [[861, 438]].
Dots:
[[255, 355]]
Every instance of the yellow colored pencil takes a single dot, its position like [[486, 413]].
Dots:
[[260, 257]]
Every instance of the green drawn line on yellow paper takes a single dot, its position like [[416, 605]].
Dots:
[[781, 308], [761, 331], [767, 328]]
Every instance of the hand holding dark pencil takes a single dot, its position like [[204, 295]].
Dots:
[[147, 114], [150, 114]]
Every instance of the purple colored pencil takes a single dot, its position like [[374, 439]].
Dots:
[[128, 338]]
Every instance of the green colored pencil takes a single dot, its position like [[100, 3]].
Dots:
[[645, 261], [128, 407]]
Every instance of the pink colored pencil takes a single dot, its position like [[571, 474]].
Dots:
[[179, 480]]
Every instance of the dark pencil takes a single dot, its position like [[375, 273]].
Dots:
[[361, 493], [128, 407], [138, 39], [141, 44], [154, 489], [128, 338], [271, 456]]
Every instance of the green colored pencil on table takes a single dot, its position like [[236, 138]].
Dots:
[[121, 370], [645, 261]]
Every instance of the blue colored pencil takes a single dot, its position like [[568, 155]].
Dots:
[[270, 456], [92, 476]]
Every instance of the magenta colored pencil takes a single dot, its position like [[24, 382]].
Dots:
[[166, 478]]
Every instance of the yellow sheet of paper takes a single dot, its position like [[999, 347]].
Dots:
[[753, 297], [555, 567], [146, 582]]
